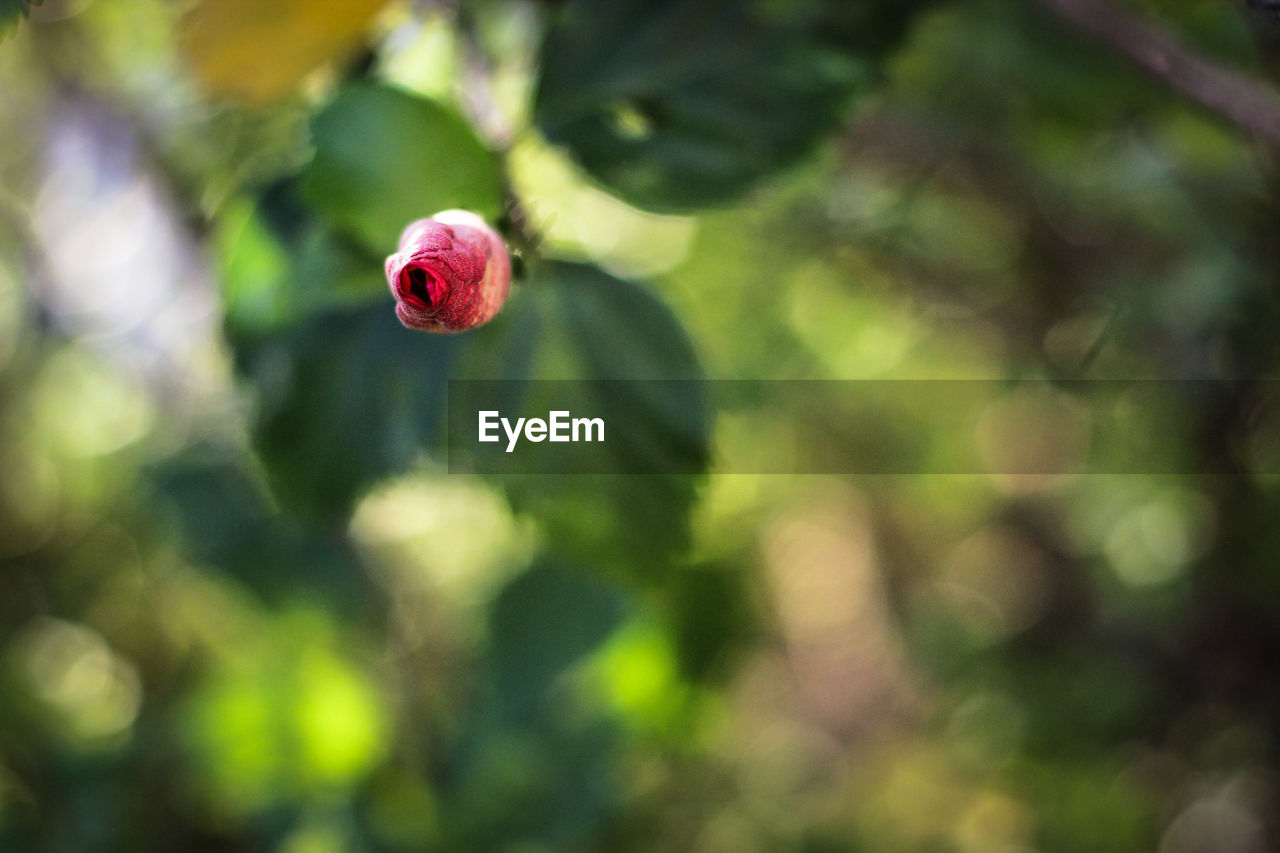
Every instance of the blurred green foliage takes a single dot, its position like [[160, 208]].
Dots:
[[370, 175], [10, 10], [662, 100], [244, 607]]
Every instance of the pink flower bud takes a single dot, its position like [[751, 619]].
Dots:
[[451, 273]]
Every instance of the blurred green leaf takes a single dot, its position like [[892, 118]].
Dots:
[[712, 619], [548, 780], [10, 10], [276, 272], [385, 158], [580, 324], [684, 103], [575, 322], [541, 624], [227, 524], [346, 398], [619, 329]]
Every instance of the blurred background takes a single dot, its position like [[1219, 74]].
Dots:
[[243, 607]]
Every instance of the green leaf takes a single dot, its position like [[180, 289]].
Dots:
[[542, 623], [276, 273], [575, 322], [228, 525], [10, 13], [677, 104], [709, 609], [385, 158], [345, 399], [619, 329]]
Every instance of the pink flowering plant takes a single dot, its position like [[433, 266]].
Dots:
[[451, 273]]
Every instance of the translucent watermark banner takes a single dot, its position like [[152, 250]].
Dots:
[[876, 427]]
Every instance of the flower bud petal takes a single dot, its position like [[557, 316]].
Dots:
[[450, 273]]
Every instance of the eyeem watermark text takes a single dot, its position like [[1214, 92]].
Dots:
[[558, 426]]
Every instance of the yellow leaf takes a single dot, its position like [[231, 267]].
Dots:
[[260, 50]]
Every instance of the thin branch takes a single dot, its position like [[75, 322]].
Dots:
[[481, 104], [1238, 97]]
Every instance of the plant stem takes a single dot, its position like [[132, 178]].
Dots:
[[1236, 96]]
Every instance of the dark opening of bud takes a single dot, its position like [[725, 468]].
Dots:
[[422, 287], [451, 272]]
